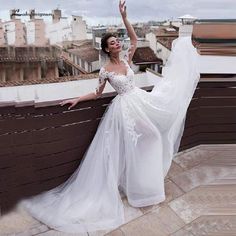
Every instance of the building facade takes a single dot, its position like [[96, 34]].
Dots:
[[36, 34], [161, 40], [15, 32], [66, 29]]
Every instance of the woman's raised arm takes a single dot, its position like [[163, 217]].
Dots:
[[130, 30]]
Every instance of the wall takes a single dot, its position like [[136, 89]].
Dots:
[[162, 52], [2, 30], [62, 90]]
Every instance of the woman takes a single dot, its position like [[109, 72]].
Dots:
[[112, 47], [133, 147]]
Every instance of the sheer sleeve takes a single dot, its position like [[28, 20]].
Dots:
[[102, 78], [129, 52]]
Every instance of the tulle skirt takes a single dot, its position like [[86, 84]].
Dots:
[[130, 153]]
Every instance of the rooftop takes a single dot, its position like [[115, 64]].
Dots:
[[166, 34], [166, 41], [48, 80], [145, 55], [28, 53], [215, 38], [85, 50], [166, 31]]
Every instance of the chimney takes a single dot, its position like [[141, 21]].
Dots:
[[185, 30], [56, 15], [12, 14], [32, 14]]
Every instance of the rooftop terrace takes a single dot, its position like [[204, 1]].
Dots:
[[42, 144]]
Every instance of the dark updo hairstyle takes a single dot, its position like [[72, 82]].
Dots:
[[104, 43]]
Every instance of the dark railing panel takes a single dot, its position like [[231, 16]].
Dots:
[[215, 117], [43, 144]]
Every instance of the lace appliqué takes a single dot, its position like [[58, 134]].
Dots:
[[128, 52], [131, 125], [103, 76], [120, 82]]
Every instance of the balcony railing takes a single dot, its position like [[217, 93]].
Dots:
[[42, 144]]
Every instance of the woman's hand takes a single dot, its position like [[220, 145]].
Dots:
[[73, 102], [122, 8]]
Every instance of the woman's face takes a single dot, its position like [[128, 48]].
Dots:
[[114, 45]]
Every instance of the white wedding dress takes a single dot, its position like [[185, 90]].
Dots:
[[130, 153]]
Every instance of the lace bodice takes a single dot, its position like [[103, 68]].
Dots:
[[120, 82]]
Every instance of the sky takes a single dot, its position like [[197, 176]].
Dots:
[[106, 12]]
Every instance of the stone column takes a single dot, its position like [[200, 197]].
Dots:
[[39, 71], [56, 70], [3, 74], [21, 73]]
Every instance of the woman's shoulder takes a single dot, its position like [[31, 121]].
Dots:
[[104, 71], [107, 67]]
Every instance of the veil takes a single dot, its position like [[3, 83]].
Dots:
[[175, 90]]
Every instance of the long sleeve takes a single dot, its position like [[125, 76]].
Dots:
[[102, 78], [128, 52]]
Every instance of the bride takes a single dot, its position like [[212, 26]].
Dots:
[[135, 142]]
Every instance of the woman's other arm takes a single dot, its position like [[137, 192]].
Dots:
[[90, 96]]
